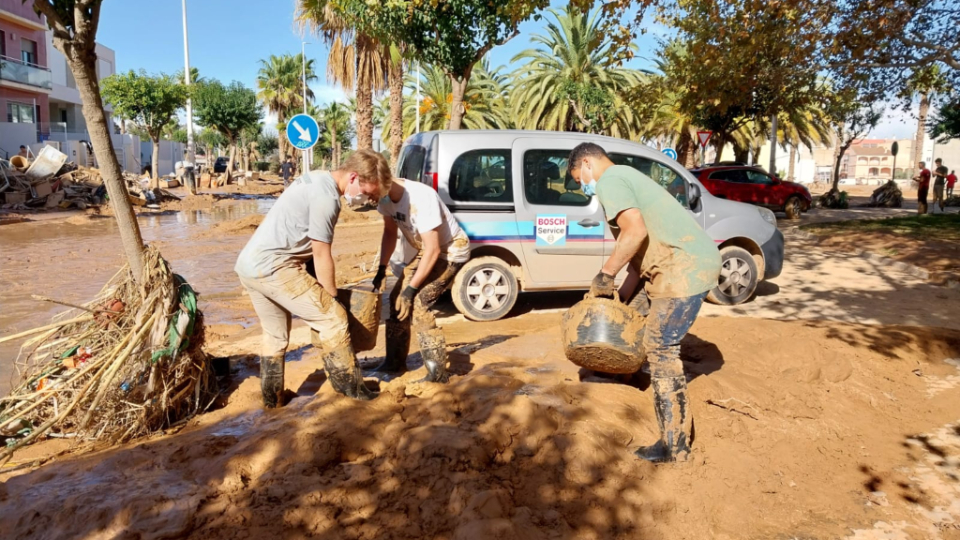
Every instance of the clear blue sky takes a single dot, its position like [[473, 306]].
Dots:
[[228, 37]]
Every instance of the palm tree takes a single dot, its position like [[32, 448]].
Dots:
[[280, 89], [925, 82], [338, 130], [574, 50], [356, 62], [485, 100]]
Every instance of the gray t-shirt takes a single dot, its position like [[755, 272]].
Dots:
[[306, 211]]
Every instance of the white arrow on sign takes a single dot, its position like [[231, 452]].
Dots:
[[304, 133]]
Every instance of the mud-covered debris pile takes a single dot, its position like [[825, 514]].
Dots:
[[70, 187], [887, 196]]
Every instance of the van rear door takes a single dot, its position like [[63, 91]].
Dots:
[[563, 229]]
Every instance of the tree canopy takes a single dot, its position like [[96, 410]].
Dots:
[[226, 109], [151, 102]]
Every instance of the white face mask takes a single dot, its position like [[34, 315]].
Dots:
[[355, 200], [587, 182]]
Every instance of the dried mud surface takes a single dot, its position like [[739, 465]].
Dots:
[[837, 440]]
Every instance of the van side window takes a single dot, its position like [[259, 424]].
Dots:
[[482, 176], [668, 179], [547, 181], [410, 166]]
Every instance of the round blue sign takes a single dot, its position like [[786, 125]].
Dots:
[[670, 153], [303, 131]]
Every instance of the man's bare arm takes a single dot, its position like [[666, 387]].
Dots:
[[428, 256], [326, 269], [633, 232]]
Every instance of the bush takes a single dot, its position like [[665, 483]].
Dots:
[[274, 164], [261, 166]]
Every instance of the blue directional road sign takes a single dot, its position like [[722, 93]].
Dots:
[[670, 152], [303, 131]]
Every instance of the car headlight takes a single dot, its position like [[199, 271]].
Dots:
[[767, 216]]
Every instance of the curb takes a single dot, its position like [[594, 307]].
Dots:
[[900, 266]]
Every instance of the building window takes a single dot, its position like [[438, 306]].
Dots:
[[28, 51], [20, 113]]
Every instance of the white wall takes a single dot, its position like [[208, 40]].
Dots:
[[12, 135], [170, 153], [64, 87]]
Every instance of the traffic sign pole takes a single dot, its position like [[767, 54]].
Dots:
[[303, 132], [703, 137]]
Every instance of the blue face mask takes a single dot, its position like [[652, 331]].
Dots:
[[590, 188]]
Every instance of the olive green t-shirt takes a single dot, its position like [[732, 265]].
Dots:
[[678, 259]]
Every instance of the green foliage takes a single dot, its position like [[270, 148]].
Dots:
[[485, 100], [150, 102], [267, 144], [226, 109], [452, 35], [280, 84], [571, 81], [945, 125]]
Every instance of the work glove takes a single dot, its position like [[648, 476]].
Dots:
[[381, 275], [405, 302], [602, 286]]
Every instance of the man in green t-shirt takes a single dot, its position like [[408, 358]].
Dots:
[[679, 263], [940, 174]]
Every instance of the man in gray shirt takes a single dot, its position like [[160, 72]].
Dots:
[[299, 228]]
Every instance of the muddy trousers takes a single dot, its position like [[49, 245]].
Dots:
[[668, 322], [433, 346], [922, 199], [292, 291]]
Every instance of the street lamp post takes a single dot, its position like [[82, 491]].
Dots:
[[191, 154], [418, 97], [303, 60]]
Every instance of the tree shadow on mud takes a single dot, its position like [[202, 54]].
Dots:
[[494, 454], [883, 309]]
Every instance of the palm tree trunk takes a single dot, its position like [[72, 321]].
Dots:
[[686, 150], [281, 137], [921, 127], [457, 110], [82, 67], [793, 162], [334, 158], [233, 157], [396, 112], [364, 96]]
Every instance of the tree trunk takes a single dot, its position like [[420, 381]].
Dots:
[[123, 127], [396, 113], [686, 150], [793, 164], [457, 110], [233, 157], [154, 167], [838, 157], [282, 137], [740, 154], [921, 129], [719, 142], [364, 96], [82, 66]]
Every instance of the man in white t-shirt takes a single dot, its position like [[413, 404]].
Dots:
[[442, 248], [299, 228]]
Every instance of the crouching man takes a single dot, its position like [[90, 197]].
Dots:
[[298, 228], [680, 264], [442, 249]]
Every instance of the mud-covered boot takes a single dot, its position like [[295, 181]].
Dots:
[[343, 372], [433, 349], [673, 416], [271, 380], [398, 347]]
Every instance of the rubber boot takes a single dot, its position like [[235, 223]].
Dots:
[[673, 417], [343, 372], [433, 349], [398, 347], [271, 380]]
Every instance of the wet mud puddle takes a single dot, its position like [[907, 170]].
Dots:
[[71, 260]]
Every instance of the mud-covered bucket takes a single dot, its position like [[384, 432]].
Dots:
[[603, 335], [19, 162], [363, 314]]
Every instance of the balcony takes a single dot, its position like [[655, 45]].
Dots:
[[15, 70]]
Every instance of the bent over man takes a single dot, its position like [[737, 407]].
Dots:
[[663, 245], [428, 226], [298, 228]]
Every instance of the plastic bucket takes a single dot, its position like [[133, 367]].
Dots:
[[363, 315], [19, 162], [603, 335]]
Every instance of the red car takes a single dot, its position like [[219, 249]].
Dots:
[[755, 186]]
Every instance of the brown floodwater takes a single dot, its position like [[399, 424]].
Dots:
[[72, 260]]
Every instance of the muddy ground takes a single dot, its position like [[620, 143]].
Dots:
[[826, 408]]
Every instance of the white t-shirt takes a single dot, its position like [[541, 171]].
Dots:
[[305, 211], [421, 210]]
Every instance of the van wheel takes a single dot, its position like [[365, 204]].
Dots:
[[738, 277], [793, 208], [485, 289]]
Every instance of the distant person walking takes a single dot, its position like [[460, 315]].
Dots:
[[939, 183], [287, 169], [23, 152], [923, 185], [951, 180]]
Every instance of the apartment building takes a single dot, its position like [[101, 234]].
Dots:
[[25, 79]]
